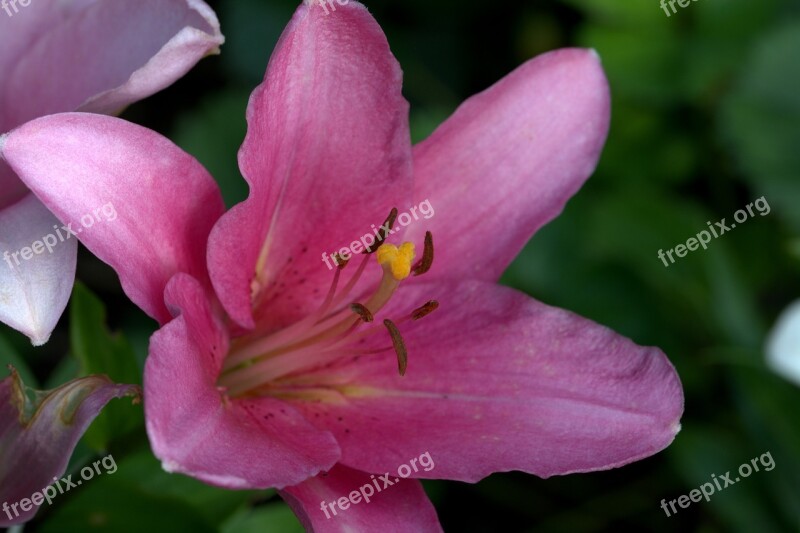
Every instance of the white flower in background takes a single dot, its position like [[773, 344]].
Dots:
[[783, 344]]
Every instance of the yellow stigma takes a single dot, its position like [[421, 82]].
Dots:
[[398, 259]]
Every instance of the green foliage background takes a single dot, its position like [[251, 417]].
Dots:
[[706, 118]]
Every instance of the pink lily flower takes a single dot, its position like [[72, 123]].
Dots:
[[37, 437], [264, 373], [87, 55]]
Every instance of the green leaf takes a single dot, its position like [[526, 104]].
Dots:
[[272, 518], [143, 471], [766, 403], [760, 121], [139, 495], [100, 352], [213, 134], [9, 356], [106, 504], [67, 369], [703, 454]]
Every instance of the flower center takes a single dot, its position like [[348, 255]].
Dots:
[[256, 363]]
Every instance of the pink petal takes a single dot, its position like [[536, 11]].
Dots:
[[100, 55], [398, 508], [497, 381], [327, 155], [509, 159], [37, 438], [18, 35], [106, 56], [195, 430], [35, 290], [85, 167]]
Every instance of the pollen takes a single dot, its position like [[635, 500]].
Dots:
[[397, 259]]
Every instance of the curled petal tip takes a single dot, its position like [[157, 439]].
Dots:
[[40, 339]]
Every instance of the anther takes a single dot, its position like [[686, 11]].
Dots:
[[424, 264], [424, 310], [399, 346], [362, 311], [340, 261], [383, 233]]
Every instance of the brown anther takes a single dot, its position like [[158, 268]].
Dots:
[[424, 310], [385, 228], [362, 311], [424, 264], [399, 346], [340, 261]]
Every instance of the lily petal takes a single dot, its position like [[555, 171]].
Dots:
[[497, 381], [403, 507], [164, 202], [515, 152], [195, 430], [106, 56], [37, 437], [37, 269], [327, 154]]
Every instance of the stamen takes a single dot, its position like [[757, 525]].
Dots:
[[362, 311], [333, 332], [340, 261], [386, 227], [425, 263], [424, 310], [352, 283], [399, 346]]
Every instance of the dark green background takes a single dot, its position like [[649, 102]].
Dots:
[[706, 118]]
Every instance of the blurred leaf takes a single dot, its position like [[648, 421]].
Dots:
[[768, 408], [213, 134], [613, 12], [640, 61], [734, 21], [647, 149], [271, 518], [9, 356], [424, 122], [139, 496], [105, 505], [144, 471], [68, 368], [702, 454], [97, 350], [732, 305], [760, 121], [256, 27], [100, 352]]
